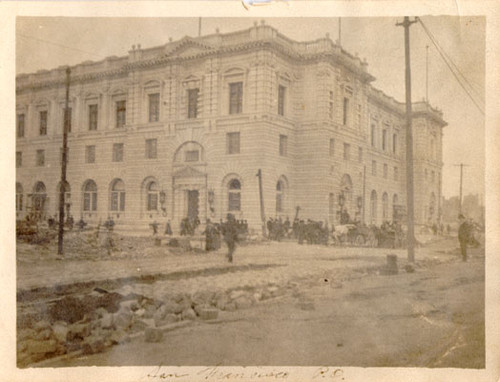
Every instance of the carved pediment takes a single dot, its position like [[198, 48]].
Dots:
[[188, 47], [188, 172]]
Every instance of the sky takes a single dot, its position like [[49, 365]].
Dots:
[[49, 42]]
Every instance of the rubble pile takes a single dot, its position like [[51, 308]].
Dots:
[[92, 322]]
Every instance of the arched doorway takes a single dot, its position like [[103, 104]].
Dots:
[[345, 199], [39, 201]]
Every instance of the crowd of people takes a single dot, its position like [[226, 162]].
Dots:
[[310, 231]]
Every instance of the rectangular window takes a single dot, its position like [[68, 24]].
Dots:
[[330, 106], [233, 143], [394, 143], [152, 202], [384, 139], [118, 152], [40, 158], [358, 109], [283, 145], [93, 114], [121, 111], [372, 135], [332, 147], [68, 116], [396, 173], [374, 168], [281, 100], [235, 97], [43, 122], [346, 111], [385, 170], [151, 148], [234, 201], [347, 151], [20, 125], [192, 156], [360, 154], [154, 107], [19, 159], [90, 154], [193, 103]]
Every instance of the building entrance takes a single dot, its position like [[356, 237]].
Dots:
[[193, 204]]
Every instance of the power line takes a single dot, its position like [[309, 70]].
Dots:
[[440, 49], [447, 62], [58, 44]]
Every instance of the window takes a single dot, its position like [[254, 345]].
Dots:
[[385, 206], [19, 159], [193, 103], [93, 114], [121, 111], [281, 100], [154, 107], [90, 154], [332, 147], [374, 168], [331, 205], [235, 97], [373, 206], [234, 195], [394, 143], [346, 111], [43, 122], [152, 196], [90, 196], [433, 149], [396, 173], [384, 139], [192, 156], [233, 143], [19, 197], [40, 158], [347, 151], [360, 154], [330, 106], [283, 145], [280, 188], [118, 196], [118, 152], [385, 170], [372, 135], [68, 116], [20, 125], [151, 148], [358, 111]]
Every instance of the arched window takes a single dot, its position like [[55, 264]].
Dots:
[[373, 206], [39, 196], [234, 195], [280, 195], [153, 191], [118, 195], [385, 206], [19, 197], [90, 196]]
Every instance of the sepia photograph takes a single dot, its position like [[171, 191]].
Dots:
[[215, 192]]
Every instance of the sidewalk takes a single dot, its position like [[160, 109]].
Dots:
[[39, 268]]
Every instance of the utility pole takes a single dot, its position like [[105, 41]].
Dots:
[[409, 143], [461, 177], [261, 195], [62, 189], [427, 73]]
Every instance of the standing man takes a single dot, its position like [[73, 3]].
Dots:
[[463, 235], [230, 235]]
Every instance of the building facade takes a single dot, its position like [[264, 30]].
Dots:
[[181, 130]]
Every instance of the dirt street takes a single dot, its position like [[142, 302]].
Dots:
[[431, 318]]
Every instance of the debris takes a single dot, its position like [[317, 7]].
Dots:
[[153, 334]]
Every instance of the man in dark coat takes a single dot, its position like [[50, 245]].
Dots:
[[230, 233], [463, 235]]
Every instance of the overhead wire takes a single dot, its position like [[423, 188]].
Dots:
[[451, 65], [58, 44]]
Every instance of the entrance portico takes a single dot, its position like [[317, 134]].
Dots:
[[189, 195]]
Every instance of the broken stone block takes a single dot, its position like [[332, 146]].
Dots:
[[41, 325], [237, 294], [208, 313], [230, 306], [41, 347], [131, 305], [257, 296], [243, 302], [122, 319], [106, 321], [173, 307], [43, 334], [60, 331], [119, 337], [188, 314], [140, 312], [153, 335], [78, 331], [100, 312], [93, 345], [25, 334]]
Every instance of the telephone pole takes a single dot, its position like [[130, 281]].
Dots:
[[62, 188], [409, 143], [461, 177]]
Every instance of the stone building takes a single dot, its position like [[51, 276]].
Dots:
[[182, 129]]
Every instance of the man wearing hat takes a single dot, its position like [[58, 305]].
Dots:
[[230, 232], [463, 235]]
